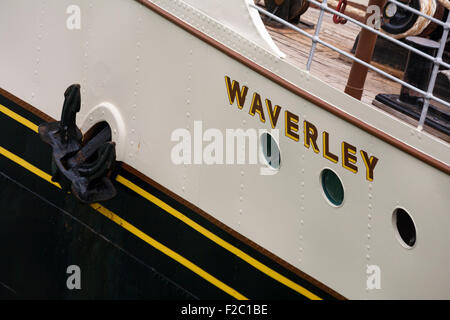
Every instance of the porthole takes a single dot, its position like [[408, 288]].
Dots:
[[404, 228], [332, 187], [270, 150]]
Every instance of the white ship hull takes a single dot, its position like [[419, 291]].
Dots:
[[150, 69]]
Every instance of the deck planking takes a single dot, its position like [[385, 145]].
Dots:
[[328, 65]]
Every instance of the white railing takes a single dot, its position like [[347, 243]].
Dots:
[[437, 61]]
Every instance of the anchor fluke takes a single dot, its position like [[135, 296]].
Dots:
[[82, 166]]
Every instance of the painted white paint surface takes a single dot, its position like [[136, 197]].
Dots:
[[236, 15], [161, 78]]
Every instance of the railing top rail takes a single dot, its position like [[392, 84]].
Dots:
[[381, 34], [428, 95]]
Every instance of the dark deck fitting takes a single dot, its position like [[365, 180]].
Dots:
[[289, 10], [418, 73], [401, 20], [84, 167]]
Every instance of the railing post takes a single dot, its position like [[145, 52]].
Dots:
[[316, 35], [432, 82], [364, 51], [362, 63]]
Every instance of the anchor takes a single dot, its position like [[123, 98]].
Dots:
[[82, 167]]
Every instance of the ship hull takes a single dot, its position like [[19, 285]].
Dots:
[[146, 243], [165, 66]]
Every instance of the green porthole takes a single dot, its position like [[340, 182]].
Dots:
[[332, 187]]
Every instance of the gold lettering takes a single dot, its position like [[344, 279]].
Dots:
[[273, 113], [257, 106], [370, 164], [310, 135], [291, 125], [235, 92], [348, 157], [326, 148]]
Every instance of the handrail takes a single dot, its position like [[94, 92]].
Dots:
[[381, 34], [434, 75], [437, 61]]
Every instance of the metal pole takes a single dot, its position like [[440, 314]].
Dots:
[[381, 34], [426, 103], [323, 5], [364, 51], [348, 55]]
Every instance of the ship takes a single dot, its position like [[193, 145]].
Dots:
[[238, 149]]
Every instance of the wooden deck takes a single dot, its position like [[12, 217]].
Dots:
[[334, 68], [329, 65]]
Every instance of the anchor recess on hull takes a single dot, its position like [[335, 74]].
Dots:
[[82, 166]]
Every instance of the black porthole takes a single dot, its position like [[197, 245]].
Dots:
[[404, 227], [270, 150], [332, 187]]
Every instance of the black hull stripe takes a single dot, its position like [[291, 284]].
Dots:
[[129, 227], [32, 236], [175, 212]]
